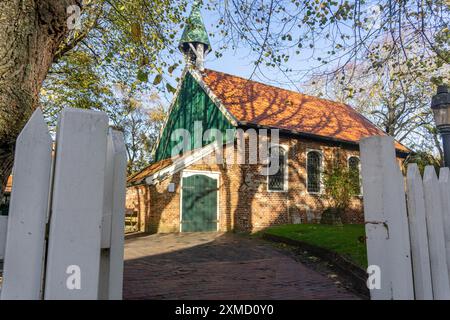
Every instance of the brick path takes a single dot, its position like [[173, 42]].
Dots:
[[218, 266]]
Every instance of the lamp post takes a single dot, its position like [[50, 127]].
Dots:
[[440, 104]]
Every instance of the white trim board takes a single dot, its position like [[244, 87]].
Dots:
[[182, 163]]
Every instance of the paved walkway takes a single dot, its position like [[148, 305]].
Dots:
[[218, 266]]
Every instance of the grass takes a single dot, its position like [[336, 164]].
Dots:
[[344, 240]]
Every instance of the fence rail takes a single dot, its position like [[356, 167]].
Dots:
[[407, 224]]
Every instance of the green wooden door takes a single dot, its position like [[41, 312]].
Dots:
[[199, 204]]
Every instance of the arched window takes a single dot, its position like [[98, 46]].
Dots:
[[354, 167], [313, 171], [278, 180]]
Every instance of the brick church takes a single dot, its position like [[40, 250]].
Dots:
[[190, 191]]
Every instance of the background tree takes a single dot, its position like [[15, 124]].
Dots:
[[108, 36], [385, 57], [30, 34], [140, 118], [299, 38], [325, 36], [132, 108]]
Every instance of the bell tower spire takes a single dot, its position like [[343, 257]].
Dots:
[[194, 43]]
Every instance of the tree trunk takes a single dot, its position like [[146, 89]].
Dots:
[[30, 33]]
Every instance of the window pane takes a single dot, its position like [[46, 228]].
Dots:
[[353, 165], [313, 171], [276, 181]]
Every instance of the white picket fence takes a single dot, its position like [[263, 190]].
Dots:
[[65, 232], [407, 224]]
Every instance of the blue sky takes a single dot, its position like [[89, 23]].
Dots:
[[240, 61]]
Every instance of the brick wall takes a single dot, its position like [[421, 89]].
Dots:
[[245, 204]]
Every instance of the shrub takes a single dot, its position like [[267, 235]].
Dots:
[[341, 184]]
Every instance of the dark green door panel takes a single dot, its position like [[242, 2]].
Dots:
[[199, 204]]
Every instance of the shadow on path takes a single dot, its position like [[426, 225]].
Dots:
[[219, 266]]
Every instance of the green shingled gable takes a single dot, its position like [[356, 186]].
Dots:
[[192, 104]]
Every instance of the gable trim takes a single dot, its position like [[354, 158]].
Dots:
[[181, 163], [217, 102]]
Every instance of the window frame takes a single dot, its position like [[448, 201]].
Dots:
[[286, 171], [359, 168], [321, 189]]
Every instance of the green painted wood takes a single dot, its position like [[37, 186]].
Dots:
[[192, 104], [195, 30], [199, 204]]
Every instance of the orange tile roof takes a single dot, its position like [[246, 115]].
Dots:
[[256, 103], [148, 171], [9, 184]]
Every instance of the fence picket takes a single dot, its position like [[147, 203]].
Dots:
[[418, 234], [111, 259], [77, 206], [385, 211], [106, 221], [3, 230], [444, 184], [25, 244], [118, 217], [436, 240], [107, 196]]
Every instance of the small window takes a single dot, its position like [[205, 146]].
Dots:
[[313, 168], [4, 204], [354, 168], [278, 181]]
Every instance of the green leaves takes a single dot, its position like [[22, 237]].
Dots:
[[142, 76], [172, 68], [341, 184], [157, 79], [170, 88], [136, 32]]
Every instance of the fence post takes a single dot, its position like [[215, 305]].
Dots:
[[418, 234], [24, 256], [73, 257], [386, 218], [444, 183], [436, 239]]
